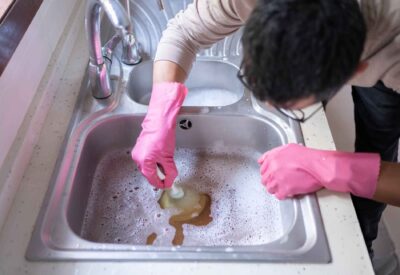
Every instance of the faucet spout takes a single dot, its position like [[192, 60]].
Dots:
[[98, 73]]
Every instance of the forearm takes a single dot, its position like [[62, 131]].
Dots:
[[167, 71], [388, 187]]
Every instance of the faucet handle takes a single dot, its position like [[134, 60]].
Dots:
[[130, 50], [109, 47]]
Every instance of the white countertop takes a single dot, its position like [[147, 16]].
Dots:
[[349, 254]]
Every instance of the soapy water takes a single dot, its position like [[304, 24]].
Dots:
[[205, 97], [210, 97], [123, 207]]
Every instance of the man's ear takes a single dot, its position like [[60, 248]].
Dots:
[[362, 66]]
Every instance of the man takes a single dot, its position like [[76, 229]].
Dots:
[[296, 53]]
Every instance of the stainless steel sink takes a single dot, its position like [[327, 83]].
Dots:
[[205, 88], [93, 207], [77, 224]]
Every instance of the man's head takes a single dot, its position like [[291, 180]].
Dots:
[[301, 50]]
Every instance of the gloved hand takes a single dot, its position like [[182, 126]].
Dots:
[[293, 169], [156, 142]]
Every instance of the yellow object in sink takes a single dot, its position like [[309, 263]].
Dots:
[[190, 205], [187, 201]]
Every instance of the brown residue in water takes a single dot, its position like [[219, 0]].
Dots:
[[151, 238], [203, 219]]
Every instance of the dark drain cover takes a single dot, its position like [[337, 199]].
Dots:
[[185, 124]]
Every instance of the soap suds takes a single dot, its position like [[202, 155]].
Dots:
[[204, 97], [210, 97], [123, 208]]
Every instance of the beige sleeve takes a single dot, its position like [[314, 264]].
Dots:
[[382, 48], [202, 24]]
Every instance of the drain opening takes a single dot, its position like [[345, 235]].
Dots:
[[185, 124]]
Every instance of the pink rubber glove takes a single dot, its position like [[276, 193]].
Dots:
[[293, 169], [156, 143]]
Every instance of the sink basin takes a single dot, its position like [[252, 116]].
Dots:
[[210, 83], [211, 157], [105, 209]]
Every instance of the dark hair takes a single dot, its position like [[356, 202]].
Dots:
[[297, 48]]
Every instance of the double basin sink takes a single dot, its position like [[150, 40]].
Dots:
[[92, 209], [99, 207]]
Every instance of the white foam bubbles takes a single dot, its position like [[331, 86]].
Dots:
[[210, 97], [243, 213], [123, 206]]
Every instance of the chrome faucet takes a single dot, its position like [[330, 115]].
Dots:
[[98, 72]]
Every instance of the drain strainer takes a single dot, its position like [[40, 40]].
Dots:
[[185, 124]]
